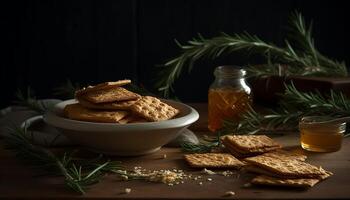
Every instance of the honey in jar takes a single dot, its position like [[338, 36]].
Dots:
[[228, 96], [321, 137]]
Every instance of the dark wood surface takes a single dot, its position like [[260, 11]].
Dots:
[[17, 180]]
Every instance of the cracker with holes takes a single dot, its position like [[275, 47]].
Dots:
[[78, 112], [110, 95], [283, 168], [102, 86], [153, 109], [287, 155], [213, 160]]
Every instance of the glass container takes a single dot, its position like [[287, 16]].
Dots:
[[228, 97], [321, 137]]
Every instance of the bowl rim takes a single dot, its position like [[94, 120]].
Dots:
[[52, 118]]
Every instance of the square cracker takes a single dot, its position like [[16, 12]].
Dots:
[[153, 109], [101, 86], [252, 143], [258, 170], [213, 160], [289, 168], [78, 112], [236, 152], [283, 154], [118, 105], [300, 182], [110, 95]]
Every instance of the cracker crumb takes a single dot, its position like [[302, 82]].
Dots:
[[207, 171], [127, 190], [200, 183], [247, 185], [229, 193], [164, 156], [124, 178], [209, 179]]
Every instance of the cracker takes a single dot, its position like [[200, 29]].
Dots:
[[236, 152], [283, 154], [110, 95], [300, 182], [132, 119], [102, 86], [118, 105], [255, 169], [153, 109], [252, 143], [289, 168], [242, 153], [213, 160], [78, 112]]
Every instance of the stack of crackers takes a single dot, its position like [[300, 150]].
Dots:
[[242, 146], [109, 102], [264, 156]]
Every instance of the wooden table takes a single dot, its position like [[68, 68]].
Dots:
[[17, 180]]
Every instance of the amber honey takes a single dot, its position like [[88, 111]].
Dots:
[[321, 137], [226, 103]]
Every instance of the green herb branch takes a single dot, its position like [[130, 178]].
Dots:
[[304, 59], [76, 177], [29, 101]]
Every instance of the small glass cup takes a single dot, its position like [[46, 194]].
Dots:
[[321, 137]]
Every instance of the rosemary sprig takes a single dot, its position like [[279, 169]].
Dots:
[[67, 89], [293, 106], [76, 177], [29, 101], [314, 103], [202, 147], [304, 60], [206, 143]]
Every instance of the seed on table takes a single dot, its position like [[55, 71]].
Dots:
[[229, 193], [127, 190]]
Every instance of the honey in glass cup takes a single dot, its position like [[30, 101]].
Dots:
[[228, 97], [321, 137]]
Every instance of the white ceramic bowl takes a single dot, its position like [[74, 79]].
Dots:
[[122, 139]]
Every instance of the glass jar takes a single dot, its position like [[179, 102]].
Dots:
[[228, 97], [321, 137]]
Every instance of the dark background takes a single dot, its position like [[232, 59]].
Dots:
[[46, 42]]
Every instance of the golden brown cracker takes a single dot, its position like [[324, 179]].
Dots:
[[236, 152], [110, 95], [102, 86], [131, 119], [213, 160], [78, 112], [283, 154], [153, 109], [243, 153], [289, 168], [252, 143], [118, 105], [300, 182]]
